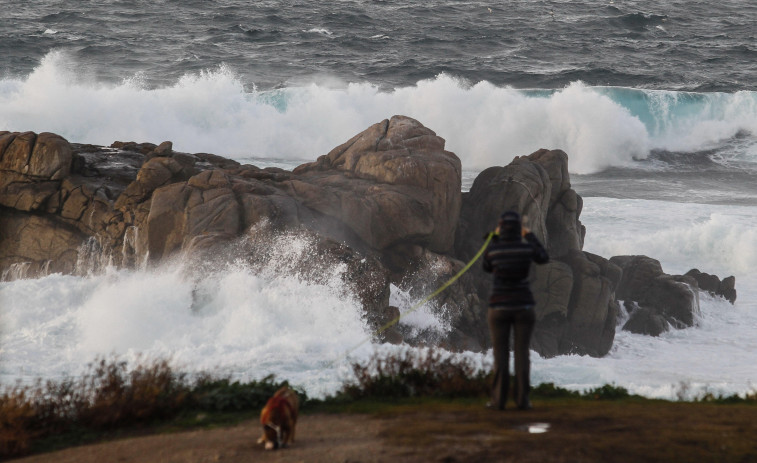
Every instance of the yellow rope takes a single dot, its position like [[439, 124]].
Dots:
[[427, 298]]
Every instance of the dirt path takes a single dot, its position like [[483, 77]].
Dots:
[[447, 432], [320, 438]]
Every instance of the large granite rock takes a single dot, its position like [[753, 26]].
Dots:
[[565, 231], [31, 168], [576, 309], [377, 202], [33, 245], [393, 185]]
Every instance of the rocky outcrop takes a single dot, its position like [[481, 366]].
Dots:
[[32, 245], [377, 202], [32, 167], [32, 170], [655, 300], [714, 286], [385, 207], [576, 309], [418, 202]]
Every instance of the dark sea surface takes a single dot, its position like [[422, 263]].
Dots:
[[654, 102], [673, 45]]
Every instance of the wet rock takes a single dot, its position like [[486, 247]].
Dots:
[[31, 168], [645, 320], [713, 285], [674, 298], [41, 244]]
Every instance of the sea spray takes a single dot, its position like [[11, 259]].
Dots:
[[426, 324], [284, 311]]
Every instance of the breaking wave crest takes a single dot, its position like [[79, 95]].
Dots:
[[213, 111]]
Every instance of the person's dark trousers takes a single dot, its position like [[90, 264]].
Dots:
[[501, 322]]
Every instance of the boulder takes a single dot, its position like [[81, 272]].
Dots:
[[31, 168], [392, 184], [592, 311], [155, 173], [645, 320], [713, 285], [674, 298], [45, 156], [205, 205], [563, 225], [38, 244], [522, 186]]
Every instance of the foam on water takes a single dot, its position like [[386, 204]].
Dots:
[[711, 357], [213, 111], [426, 319], [716, 239]]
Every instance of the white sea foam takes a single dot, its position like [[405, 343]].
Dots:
[[233, 321], [426, 318], [319, 30], [482, 123], [714, 238]]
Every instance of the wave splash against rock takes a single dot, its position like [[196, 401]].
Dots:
[[387, 204]]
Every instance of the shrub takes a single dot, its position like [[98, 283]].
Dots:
[[17, 414], [222, 395], [110, 395], [549, 390], [608, 392], [416, 373], [114, 396]]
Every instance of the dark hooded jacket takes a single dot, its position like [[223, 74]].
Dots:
[[509, 258]]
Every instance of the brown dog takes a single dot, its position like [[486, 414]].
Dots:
[[279, 417]]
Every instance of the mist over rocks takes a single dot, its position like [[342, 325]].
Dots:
[[385, 207]]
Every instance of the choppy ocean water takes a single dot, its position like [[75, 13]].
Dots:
[[654, 104]]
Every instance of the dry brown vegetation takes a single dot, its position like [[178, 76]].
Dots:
[[112, 396]]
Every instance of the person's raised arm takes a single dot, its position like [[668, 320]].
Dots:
[[540, 255]]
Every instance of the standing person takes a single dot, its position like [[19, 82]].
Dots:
[[511, 306]]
